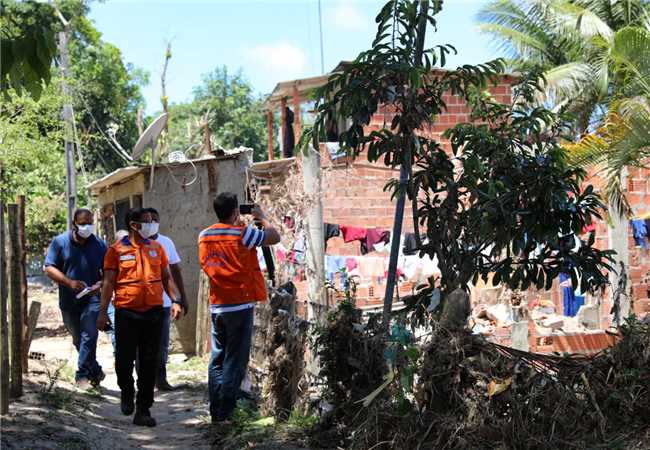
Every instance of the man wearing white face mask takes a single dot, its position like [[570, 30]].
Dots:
[[74, 261], [136, 271]]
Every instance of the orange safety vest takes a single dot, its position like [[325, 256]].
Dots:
[[233, 269], [139, 268]]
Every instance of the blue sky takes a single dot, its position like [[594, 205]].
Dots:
[[269, 40]]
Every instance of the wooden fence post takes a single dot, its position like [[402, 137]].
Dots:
[[4, 332], [20, 200], [203, 328], [15, 303]]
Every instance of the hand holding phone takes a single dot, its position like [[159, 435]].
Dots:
[[246, 208]]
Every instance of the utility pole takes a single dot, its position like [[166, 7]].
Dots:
[[70, 172], [320, 30], [316, 294]]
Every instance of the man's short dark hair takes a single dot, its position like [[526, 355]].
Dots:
[[225, 205], [80, 211], [153, 211], [135, 215]]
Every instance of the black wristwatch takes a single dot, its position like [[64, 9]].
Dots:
[[178, 302]]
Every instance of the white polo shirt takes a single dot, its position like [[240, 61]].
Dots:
[[173, 257]]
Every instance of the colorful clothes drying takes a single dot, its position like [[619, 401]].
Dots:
[[374, 236], [353, 233], [640, 233]]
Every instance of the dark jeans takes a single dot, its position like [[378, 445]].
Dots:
[[80, 321], [231, 345], [164, 341], [164, 344], [137, 334]]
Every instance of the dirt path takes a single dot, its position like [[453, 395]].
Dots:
[[54, 415]]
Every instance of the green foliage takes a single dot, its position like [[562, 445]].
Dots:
[[31, 133], [230, 108], [568, 39], [27, 46]]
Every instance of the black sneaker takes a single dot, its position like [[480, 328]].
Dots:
[[126, 405], [163, 385], [96, 381], [144, 419]]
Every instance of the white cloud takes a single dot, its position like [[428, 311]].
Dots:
[[281, 59], [348, 17]]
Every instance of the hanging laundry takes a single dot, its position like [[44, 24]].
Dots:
[[289, 222], [297, 254], [330, 230], [353, 233], [411, 264], [568, 295], [335, 151], [371, 266], [374, 236], [288, 139], [640, 233], [351, 263], [410, 245]]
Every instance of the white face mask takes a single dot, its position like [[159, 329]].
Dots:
[[84, 231], [148, 229]]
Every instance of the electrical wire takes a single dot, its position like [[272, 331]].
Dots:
[[182, 184]]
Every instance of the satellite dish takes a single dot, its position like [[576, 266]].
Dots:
[[149, 139]]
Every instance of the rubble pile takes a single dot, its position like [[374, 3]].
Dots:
[[471, 393]]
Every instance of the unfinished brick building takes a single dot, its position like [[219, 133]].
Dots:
[[353, 195]]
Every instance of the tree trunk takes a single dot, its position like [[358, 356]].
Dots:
[[403, 183], [4, 332], [15, 310]]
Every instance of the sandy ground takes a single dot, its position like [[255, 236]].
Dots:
[[53, 414]]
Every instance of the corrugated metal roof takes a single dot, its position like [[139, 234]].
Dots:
[[123, 173], [117, 176]]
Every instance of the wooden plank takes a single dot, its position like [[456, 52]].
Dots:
[[32, 320], [269, 127], [15, 304], [4, 331], [203, 328], [20, 201]]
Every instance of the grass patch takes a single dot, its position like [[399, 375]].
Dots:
[[299, 420], [67, 373], [194, 369], [62, 399]]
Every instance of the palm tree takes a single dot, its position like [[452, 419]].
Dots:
[[566, 39], [595, 55], [623, 139]]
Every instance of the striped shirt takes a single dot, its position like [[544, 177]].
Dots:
[[253, 237]]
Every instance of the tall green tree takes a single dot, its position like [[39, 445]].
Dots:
[[232, 111], [105, 92]]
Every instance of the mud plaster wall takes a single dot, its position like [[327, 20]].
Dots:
[[184, 213]]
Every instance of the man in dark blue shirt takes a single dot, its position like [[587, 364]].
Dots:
[[74, 261]]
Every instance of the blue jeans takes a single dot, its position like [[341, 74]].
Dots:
[[111, 316], [81, 322], [231, 344], [161, 374]]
